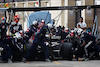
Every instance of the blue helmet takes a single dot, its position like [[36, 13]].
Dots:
[[3, 19]]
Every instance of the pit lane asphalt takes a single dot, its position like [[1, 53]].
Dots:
[[59, 63]]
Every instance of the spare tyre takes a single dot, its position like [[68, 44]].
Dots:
[[66, 51]]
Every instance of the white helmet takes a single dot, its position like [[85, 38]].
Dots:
[[50, 25], [72, 31], [75, 29], [79, 31], [42, 20], [66, 29], [17, 35], [35, 22]]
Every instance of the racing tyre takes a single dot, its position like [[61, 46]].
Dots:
[[27, 48], [4, 56], [66, 51]]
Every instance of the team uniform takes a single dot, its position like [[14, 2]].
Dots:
[[3, 29], [90, 41], [15, 27], [39, 40], [82, 25], [3, 41]]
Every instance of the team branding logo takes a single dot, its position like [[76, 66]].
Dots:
[[7, 5]]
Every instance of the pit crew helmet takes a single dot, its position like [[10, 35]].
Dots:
[[35, 23], [50, 25], [79, 31], [3, 19], [16, 18]]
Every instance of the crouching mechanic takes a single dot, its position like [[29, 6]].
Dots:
[[89, 41], [39, 40]]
